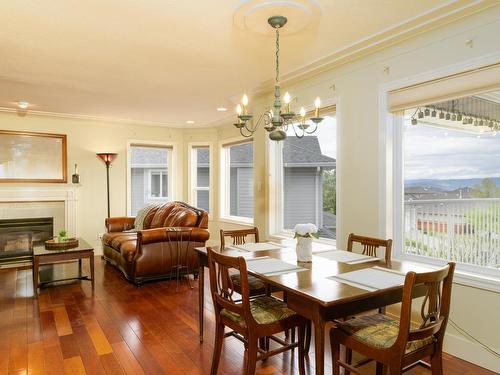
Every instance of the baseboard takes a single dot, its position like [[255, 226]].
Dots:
[[462, 348]]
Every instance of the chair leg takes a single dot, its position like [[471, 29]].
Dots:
[[379, 369], [307, 343], [348, 358], [251, 360], [437, 363], [394, 368], [302, 334], [335, 355], [219, 338]]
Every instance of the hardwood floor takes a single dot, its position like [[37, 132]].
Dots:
[[121, 329]]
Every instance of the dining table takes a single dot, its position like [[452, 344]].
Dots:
[[315, 290]]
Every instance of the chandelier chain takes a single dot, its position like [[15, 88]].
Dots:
[[277, 56]]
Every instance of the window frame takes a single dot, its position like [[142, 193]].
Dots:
[[224, 182], [151, 172], [391, 173], [275, 166], [192, 175], [172, 170]]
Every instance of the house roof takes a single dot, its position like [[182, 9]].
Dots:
[[148, 157], [304, 152], [297, 152]]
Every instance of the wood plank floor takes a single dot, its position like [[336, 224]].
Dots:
[[120, 329]]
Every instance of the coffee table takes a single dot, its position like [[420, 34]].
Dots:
[[43, 256]]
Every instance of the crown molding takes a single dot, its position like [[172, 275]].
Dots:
[[114, 120], [433, 18]]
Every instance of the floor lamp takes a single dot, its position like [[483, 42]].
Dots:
[[107, 158]]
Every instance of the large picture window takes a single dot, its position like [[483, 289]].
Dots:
[[451, 170], [237, 181], [200, 176], [149, 174], [305, 179]]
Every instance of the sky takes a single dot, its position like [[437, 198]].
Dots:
[[327, 135], [433, 153]]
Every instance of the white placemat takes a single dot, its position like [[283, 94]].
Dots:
[[260, 246], [347, 257], [271, 266], [371, 278]]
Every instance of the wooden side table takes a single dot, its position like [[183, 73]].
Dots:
[[43, 256]]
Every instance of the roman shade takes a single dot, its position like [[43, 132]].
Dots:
[[454, 86]]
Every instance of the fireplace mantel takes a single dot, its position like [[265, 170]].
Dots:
[[47, 193]]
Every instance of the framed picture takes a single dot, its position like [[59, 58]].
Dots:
[[32, 157]]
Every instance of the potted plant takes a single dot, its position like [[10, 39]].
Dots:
[[62, 235], [304, 233]]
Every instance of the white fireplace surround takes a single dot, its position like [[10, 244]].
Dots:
[[53, 193]]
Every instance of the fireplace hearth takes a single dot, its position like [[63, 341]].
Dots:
[[17, 237]]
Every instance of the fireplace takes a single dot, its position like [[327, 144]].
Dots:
[[17, 237]]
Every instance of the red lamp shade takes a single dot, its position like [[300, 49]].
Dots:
[[107, 157]]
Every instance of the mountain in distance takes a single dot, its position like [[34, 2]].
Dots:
[[448, 185]]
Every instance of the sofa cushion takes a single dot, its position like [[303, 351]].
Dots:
[[141, 215], [161, 215], [108, 238], [119, 240], [181, 217]]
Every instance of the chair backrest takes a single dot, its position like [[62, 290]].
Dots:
[[370, 245], [238, 236], [221, 267], [435, 307]]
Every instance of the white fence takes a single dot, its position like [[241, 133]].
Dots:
[[462, 230]]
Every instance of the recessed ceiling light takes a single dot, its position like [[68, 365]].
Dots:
[[22, 104], [222, 109], [189, 122]]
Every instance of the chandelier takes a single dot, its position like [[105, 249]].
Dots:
[[278, 120]]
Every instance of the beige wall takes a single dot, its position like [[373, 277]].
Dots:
[[356, 87]]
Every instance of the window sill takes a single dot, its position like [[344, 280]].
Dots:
[[462, 276], [237, 220], [290, 235]]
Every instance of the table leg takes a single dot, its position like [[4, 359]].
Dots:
[[80, 266], [35, 276], [91, 259], [201, 295], [319, 345]]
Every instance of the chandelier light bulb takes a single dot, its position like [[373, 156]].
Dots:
[[238, 109], [317, 104], [244, 100], [302, 112], [287, 98]]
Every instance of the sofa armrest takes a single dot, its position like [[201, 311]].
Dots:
[[148, 236], [119, 224]]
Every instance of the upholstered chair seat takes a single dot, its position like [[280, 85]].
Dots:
[[378, 331]]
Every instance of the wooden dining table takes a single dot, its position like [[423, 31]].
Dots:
[[312, 293]]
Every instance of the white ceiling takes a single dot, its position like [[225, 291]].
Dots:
[[168, 61]]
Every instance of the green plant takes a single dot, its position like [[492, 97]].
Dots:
[[62, 233]]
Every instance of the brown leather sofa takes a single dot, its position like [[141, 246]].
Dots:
[[153, 252]]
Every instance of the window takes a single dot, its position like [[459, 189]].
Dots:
[[237, 181], [158, 184], [451, 182], [150, 181], [200, 158], [305, 179]]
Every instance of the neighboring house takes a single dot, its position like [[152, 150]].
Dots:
[[303, 166], [430, 192], [149, 176]]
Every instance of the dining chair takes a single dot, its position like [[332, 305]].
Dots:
[[370, 245], [249, 319], [239, 237], [396, 344]]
